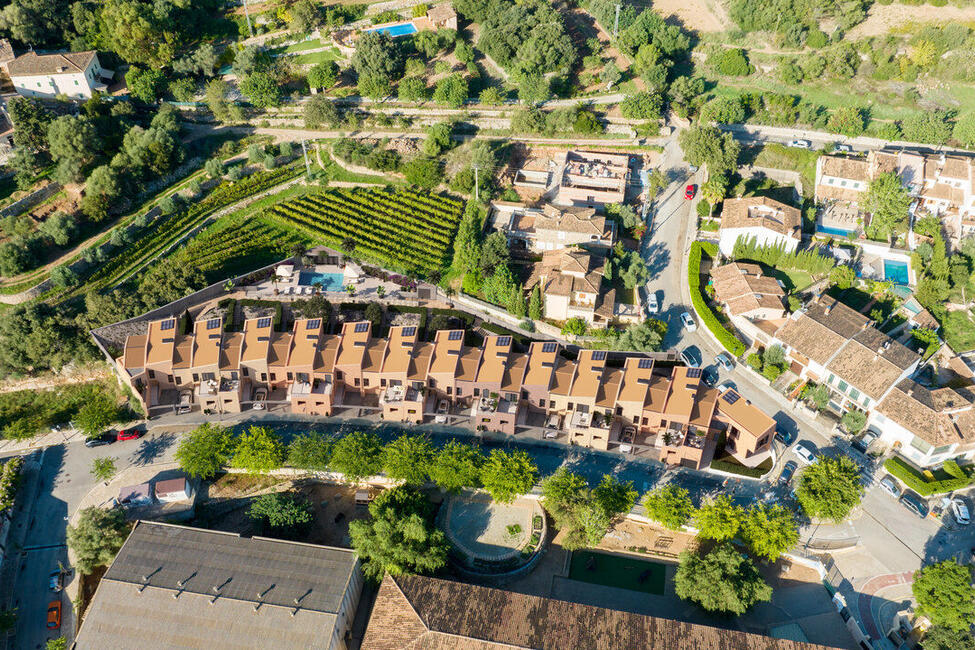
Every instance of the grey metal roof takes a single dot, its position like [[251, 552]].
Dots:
[[184, 569]]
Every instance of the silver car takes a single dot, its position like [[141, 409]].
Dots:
[[960, 511], [889, 485]]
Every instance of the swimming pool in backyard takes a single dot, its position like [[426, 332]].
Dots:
[[401, 29], [896, 271], [835, 232], [330, 281]]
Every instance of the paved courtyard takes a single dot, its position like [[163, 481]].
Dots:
[[487, 530]]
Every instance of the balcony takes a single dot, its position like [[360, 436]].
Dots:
[[229, 385], [304, 388], [397, 394], [495, 404]]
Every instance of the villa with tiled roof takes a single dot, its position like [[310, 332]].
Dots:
[[75, 75]]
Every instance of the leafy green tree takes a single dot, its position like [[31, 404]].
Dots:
[[262, 89], [305, 16], [613, 496], [854, 421], [323, 75], [283, 512], [96, 414], [97, 537], [399, 536], [647, 336], [851, 121], [357, 456], [706, 145], [456, 466], [491, 96], [377, 53], [533, 88], [319, 110], [842, 276], [575, 326], [507, 475], [103, 469], [144, 84], [887, 201], [215, 97], [494, 251], [927, 127], [535, 305], [830, 488], [412, 89], [438, 139], [642, 106], [423, 172], [200, 61], [251, 59], [722, 580], [73, 143], [586, 123], [374, 86], [769, 530], [732, 62], [205, 451], [939, 637], [683, 91], [101, 191], [60, 643], [720, 519], [451, 91], [30, 120], [310, 451], [259, 450], [408, 458], [964, 130], [59, 228], [137, 33], [670, 505], [945, 594], [63, 277]]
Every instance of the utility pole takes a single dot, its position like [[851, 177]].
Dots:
[[477, 196], [616, 24], [305, 152], [250, 30]]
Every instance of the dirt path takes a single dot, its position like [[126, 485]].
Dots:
[[78, 376], [883, 18]]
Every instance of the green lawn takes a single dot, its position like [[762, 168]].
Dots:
[[317, 57], [793, 280], [959, 331], [782, 157], [622, 572], [297, 47]]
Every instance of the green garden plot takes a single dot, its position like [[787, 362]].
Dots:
[[622, 572]]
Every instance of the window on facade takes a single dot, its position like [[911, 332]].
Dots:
[[449, 390], [541, 403], [196, 377], [382, 383], [854, 394], [169, 378], [290, 376], [842, 386], [619, 410], [152, 374], [356, 381], [274, 376], [477, 392], [551, 403], [263, 376]]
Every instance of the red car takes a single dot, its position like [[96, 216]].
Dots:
[[54, 615], [690, 191], [131, 434]]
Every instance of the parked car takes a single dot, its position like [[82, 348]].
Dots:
[[185, 402], [784, 436], [710, 376], [914, 503], [845, 148], [889, 485], [805, 452], [128, 434], [54, 615], [626, 440], [725, 361], [788, 470], [800, 143], [691, 356], [690, 191], [98, 441], [688, 321], [553, 426], [862, 443], [259, 396], [727, 385], [653, 307], [960, 511], [442, 410], [55, 581]]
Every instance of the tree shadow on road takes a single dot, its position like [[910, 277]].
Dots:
[[151, 449], [657, 256]]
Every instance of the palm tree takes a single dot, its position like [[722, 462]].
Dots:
[[713, 191]]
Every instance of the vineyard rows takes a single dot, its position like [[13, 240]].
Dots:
[[238, 240], [404, 230]]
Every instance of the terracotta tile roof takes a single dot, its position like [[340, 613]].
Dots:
[[854, 169], [810, 338], [745, 289], [422, 613], [6, 51], [761, 212], [577, 220], [833, 193], [939, 417], [559, 272], [31, 63], [441, 12], [956, 167], [746, 415]]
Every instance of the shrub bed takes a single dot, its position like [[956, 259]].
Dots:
[[729, 341], [918, 482], [8, 482]]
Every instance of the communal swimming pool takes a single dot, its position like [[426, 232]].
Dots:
[[401, 29], [896, 271], [835, 232], [330, 281]]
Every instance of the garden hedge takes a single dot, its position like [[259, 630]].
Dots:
[[729, 341], [915, 480], [735, 468]]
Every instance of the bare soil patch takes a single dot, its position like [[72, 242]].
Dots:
[[885, 18], [695, 15]]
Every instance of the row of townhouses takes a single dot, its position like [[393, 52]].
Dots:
[[942, 185], [634, 407], [829, 343]]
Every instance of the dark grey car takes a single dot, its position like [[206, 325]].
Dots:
[[914, 503]]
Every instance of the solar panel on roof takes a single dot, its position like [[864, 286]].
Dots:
[[263, 322], [599, 355], [694, 373], [409, 331], [313, 324], [168, 324], [455, 335], [730, 396], [645, 363], [504, 341], [548, 348], [361, 327], [213, 323]]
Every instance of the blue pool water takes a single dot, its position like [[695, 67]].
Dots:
[[330, 281], [896, 271], [402, 29], [835, 232]]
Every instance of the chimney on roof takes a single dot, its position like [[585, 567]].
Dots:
[[910, 392]]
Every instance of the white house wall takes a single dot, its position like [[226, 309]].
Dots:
[[763, 236]]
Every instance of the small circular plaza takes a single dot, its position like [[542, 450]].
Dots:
[[491, 537]]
